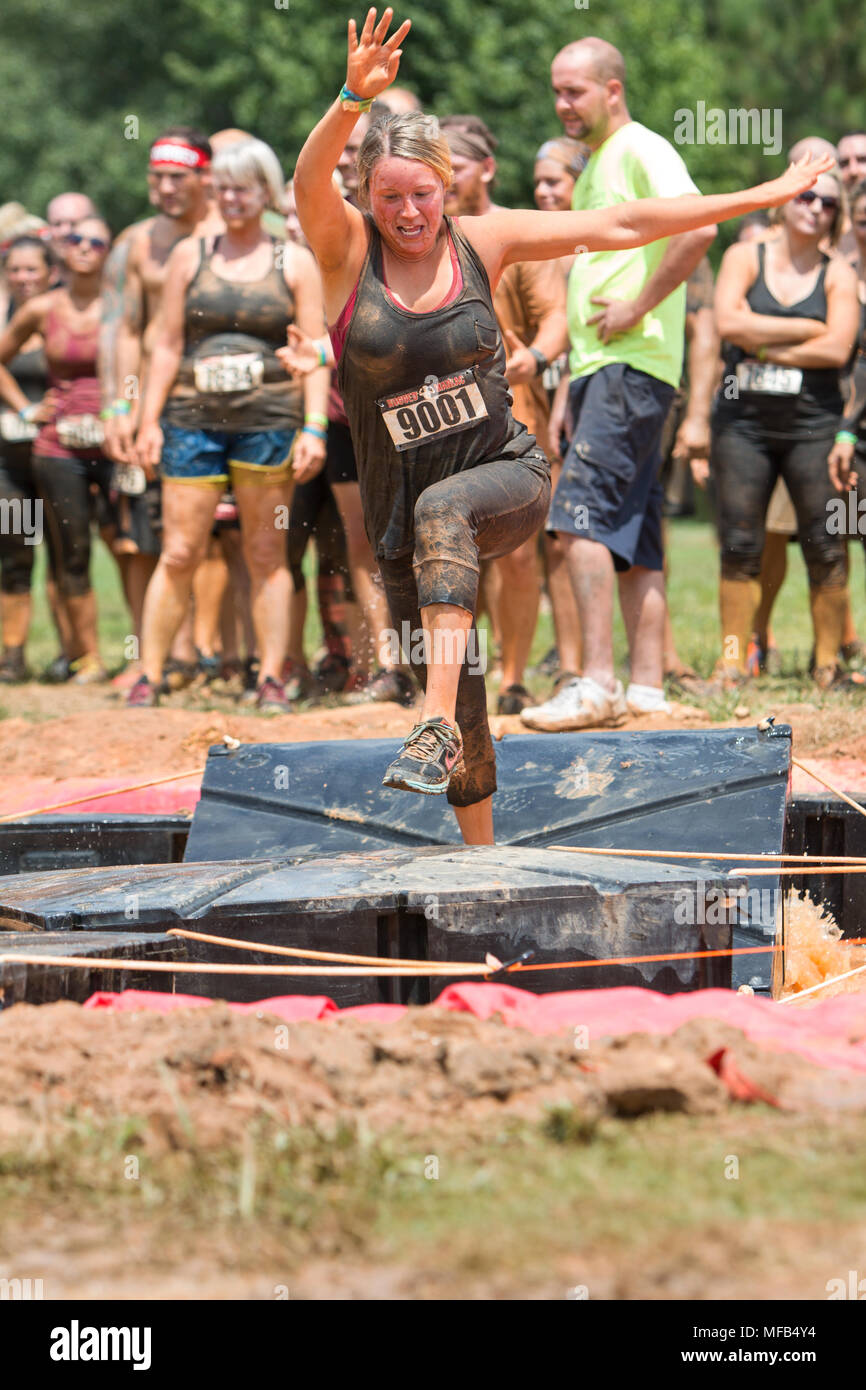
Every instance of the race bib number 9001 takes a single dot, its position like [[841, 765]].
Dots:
[[442, 405]]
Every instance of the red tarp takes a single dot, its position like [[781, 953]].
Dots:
[[831, 1034], [22, 795]]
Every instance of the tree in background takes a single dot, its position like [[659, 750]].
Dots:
[[84, 89]]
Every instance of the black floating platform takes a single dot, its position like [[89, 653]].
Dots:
[[300, 845], [720, 789], [87, 840], [24, 982], [436, 903]]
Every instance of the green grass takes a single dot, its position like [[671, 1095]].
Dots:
[[692, 593], [512, 1200]]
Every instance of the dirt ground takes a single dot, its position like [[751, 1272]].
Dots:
[[187, 1095], [179, 1092], [95, 735]]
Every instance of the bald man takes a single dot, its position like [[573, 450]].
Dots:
[[62, 214], [626, 319], [399, 100]]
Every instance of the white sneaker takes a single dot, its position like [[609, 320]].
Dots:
[[581, 704], [646, 699]]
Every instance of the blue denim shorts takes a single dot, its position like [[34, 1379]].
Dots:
[[215, 457], [609, 489]]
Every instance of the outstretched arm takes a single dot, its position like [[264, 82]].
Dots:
[[503, 237], [334, 229]]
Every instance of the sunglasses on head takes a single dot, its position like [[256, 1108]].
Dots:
[[810, 196], [97, 243]]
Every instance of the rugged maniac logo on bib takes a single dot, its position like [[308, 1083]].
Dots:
[[441, 405], [769, 379], [242, 371]]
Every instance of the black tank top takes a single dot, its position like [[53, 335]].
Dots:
[[30, 370], [817, 404], [439, 379], [230, 377]]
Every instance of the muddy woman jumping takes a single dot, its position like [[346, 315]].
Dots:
[[447, 476]]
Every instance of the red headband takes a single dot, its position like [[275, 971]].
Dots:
[[178, 153]]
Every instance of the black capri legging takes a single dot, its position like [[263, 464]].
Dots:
[[18, 493], [64, 486], [478, 515], [745, 466]]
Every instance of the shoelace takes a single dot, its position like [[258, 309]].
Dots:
[[427, 742]]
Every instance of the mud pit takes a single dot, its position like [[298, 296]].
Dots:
[[592, 1152], [203, 1072]]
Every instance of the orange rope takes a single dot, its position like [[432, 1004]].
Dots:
[[709, 854]]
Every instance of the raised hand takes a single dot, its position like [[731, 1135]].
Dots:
[[300, 355], [797, 178], [520, 365], [373, 62]]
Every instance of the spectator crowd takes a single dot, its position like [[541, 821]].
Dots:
[[172, 388]]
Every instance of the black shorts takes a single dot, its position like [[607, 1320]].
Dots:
[[609, 489], [340, 466]]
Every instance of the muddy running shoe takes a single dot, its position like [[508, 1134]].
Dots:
[[834, 678], [582, 704], [13, 668], [88, 670], [513, 699], [177, 675], [333, 674], [58, 671], [298, 680], [271, 697], [385, 686], [425, 763], [142, 695]]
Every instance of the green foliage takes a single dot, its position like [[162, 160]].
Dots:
[[70, 76]]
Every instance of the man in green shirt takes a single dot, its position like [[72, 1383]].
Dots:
[[626, 318]]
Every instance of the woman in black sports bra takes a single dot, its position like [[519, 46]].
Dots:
[[788, 314], [447, 475]]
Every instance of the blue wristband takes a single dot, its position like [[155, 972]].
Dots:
[[350, 101], [314, 429]]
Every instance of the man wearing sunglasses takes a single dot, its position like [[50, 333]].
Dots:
[[63, 213], [178, 179]]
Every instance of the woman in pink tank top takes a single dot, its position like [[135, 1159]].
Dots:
[[67, 457]]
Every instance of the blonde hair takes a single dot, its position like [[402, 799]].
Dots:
[[410, 135], [252, 161]]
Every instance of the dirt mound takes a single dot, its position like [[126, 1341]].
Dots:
[[193, 1078]]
